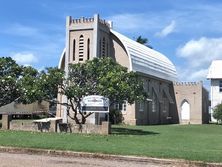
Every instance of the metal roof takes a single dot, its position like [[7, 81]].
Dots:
[[146, 60]]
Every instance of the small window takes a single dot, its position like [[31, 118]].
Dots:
[[165, 105], [141, 106], [81, 47], [120, 107], [124, 106], [147, 85], [107, 47], [154, 102], [144, 84], [103, 47], [74, 49], [100, 48], [220, 86], [88, 48], [116, 106]]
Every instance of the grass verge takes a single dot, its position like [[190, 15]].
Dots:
[[190, 142]]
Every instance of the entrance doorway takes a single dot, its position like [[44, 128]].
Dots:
[[185, 110]]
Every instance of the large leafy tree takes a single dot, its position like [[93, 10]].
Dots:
[[39, 86], [10, 73], [102, 77], [217, 113], [95, 77], [16, 82]]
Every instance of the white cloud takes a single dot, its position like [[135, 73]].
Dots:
[[198, 55], [202, 51], [167, 30], [25, 58]]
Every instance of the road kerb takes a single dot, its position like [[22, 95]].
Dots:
[[50, 152]]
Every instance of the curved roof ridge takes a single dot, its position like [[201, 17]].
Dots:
[[146, 60], [141, 46], [61, 58]]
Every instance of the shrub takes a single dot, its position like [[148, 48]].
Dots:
[[115, 116], [217, 113]]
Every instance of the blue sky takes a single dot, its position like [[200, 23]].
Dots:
[[189, 33]]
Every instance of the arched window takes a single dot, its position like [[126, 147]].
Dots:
[[88, 49], [81, 47], [103, 47], [185, 110], [74, 50]]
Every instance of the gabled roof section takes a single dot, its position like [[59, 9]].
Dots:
[[215, 70], [146, 60]]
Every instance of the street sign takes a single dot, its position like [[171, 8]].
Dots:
[[95, 103]]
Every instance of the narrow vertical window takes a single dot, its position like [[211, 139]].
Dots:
[[220, 86], [100, 48], [88, 49], [74, 50], [141, 106], [103, 47], [81, 47], [107, 51], [116, 106], [124, 106], [154, 102]]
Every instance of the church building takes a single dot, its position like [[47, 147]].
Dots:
[[87, 38]]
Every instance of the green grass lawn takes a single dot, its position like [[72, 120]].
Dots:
[[191, 142]]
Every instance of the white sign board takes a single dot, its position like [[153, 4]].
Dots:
[[95, 103]]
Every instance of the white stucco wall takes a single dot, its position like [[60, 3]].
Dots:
[[216, 95]]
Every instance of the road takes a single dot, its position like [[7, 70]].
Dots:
[[27, 160]]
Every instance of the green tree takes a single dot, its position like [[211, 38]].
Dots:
[[39, 86], [17, 83], [95, 77], [217, 113], [143, 41], [10, 73]]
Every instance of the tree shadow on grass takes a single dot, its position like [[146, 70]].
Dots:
[[127, 131]]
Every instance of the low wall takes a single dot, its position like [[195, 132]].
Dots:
[[104, 128], [23, 125], [54, 126]]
